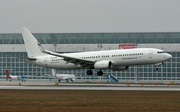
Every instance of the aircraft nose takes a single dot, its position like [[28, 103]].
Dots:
[[168, 56]]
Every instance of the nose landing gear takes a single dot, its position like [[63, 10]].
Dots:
[[155, 68], [157, 64]]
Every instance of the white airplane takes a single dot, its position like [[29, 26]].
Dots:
[[117, 60], [11, 77], [60, 77]]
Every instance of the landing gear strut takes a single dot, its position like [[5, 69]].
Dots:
[[155, 68], [89, 72], [100, 73]]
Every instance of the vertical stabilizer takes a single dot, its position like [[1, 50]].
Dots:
[[7, 74], [53, 72], [32, 45]]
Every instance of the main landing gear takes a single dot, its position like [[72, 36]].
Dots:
[[90, 72], [100, 73]]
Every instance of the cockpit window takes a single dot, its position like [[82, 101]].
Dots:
[[160, 52]]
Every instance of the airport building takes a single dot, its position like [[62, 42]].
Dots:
[[13, 45]]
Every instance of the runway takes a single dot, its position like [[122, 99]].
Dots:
[[144, 88], [49, 85]]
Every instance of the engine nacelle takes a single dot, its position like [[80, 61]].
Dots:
[[120, 68], [105, 64]]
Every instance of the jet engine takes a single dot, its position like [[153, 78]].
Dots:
[[120, 68], [105, 64]]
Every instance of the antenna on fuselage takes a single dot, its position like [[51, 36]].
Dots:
[[100, 46]]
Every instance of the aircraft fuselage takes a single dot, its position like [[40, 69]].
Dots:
[[125, 57]]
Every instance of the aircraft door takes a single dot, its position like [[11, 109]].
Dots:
[[150, 53]]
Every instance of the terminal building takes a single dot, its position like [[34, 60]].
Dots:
[[13, 45]]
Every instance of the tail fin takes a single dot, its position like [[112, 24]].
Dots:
[[32, 45], [53, 72], [7, 74]]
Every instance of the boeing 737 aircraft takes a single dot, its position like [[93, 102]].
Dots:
[[11, 77], [60, 77], [117, 60]]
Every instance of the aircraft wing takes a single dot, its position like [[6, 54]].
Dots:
[[76, 61]]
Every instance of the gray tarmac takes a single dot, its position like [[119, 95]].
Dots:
[[50, 85]]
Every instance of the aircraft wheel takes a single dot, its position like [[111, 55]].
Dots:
[[100, 73], [156, 69], [89, 72]]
